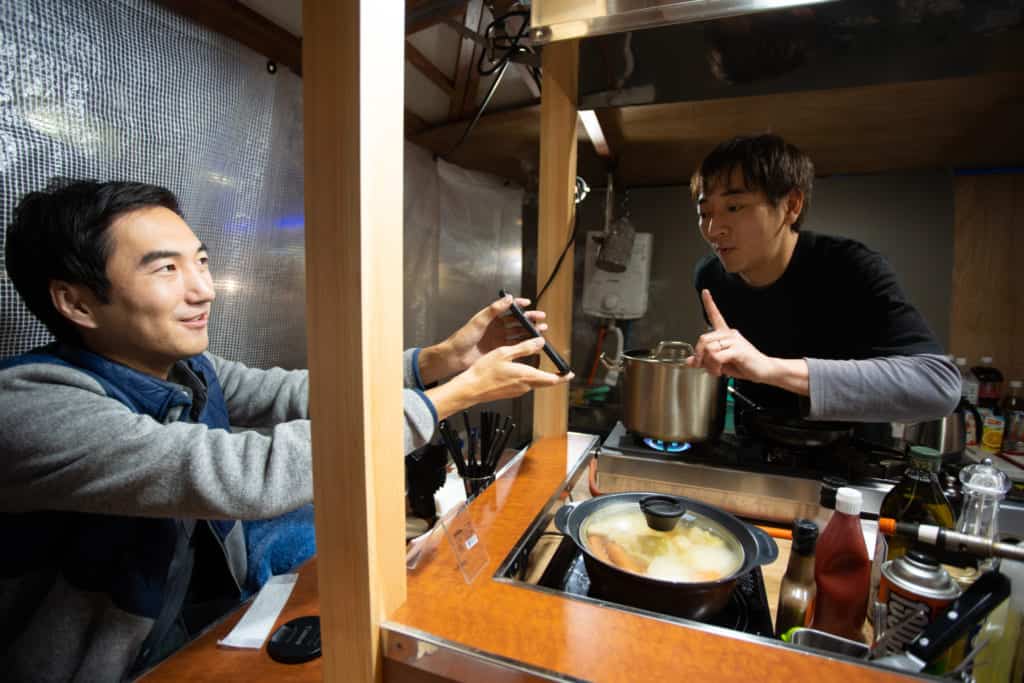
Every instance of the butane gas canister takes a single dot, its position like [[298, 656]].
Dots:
[[915, 590]]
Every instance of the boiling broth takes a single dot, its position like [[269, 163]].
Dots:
[[696, 550]]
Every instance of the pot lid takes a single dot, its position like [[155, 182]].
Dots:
[[696, 549]]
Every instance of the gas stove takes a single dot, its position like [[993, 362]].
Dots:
[[745, 476]]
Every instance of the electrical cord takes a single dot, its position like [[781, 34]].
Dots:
[[582, 190], [558, 263], [479, 111], [510, 46]]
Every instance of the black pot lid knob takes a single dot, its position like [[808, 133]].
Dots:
[[662, 512]]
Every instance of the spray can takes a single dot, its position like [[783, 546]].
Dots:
[[912, 592]]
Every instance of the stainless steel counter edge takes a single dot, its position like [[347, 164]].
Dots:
[[442, 657]]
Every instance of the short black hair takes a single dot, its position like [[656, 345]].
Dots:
[[768, 163], [61, 233]]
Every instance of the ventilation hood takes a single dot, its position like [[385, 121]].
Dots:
[[554, 20]]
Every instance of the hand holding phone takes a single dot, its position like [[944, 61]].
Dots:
[[560, 364]]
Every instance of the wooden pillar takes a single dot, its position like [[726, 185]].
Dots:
[[987, 306], [353, 120], [555, 220]]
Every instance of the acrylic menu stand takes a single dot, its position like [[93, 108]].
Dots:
[[469, 549], [470, 554]]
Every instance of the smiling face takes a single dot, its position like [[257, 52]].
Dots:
[[751, 236], [160, 294]]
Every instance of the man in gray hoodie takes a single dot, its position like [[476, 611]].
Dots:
[[119, 472]]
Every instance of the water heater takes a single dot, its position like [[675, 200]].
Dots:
[[622, 296]]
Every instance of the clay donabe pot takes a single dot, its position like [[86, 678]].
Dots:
[[689, 599]]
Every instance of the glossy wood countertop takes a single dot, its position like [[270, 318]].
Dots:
[[544, 631]]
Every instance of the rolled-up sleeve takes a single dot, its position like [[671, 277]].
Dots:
[[897, 388]]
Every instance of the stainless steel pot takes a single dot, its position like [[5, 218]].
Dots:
[[947, 435], [665, 399]]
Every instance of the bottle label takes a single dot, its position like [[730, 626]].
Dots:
[[970, 429], [989, 390], [908, 611], [992, 434]]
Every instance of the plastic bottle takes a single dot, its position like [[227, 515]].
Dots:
[[1002, 629], [796, 593], [990, 392], [990, 384], [1013, 414], [969, 392], [842, 571], [968, 382], [917, 497]]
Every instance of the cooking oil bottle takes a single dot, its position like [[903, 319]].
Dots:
[[917, 497]]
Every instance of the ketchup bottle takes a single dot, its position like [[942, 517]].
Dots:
[[842, 571]]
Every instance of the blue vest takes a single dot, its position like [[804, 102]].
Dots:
[[143, 564]]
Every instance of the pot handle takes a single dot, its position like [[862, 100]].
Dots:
[[611, 364], [767, 549], [681, 350], [562, 518]]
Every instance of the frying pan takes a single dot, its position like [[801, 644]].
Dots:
[[791, 431]]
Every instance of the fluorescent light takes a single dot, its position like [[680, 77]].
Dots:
[[594, 132]]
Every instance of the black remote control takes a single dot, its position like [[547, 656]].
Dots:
[[560, 364]]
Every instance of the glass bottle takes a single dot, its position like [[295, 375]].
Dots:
[[1013, 413], [984, 486], [796, 594], [917, 497]]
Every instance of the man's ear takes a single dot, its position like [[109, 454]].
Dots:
[[794, 204], [75, 302]]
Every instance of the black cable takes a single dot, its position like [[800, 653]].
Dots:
[[558, 264], [480, 110], [511, 46]]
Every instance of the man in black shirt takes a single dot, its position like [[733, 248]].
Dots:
[[813, 325]]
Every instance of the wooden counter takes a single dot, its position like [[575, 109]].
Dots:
[[509, 622]]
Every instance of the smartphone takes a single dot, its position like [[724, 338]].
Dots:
[[560, 364]]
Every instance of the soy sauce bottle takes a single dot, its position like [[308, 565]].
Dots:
[[796, 594]]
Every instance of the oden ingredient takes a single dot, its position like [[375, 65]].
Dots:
[[689, 553]]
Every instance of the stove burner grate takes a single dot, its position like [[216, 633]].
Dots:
[[671, 447], [747, 610]]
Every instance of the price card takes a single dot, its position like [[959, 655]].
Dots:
[[469, 550]]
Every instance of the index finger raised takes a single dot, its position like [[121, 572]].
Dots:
[[714, 315]]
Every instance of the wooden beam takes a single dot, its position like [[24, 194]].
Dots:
[[353, 92], [427, 68], [466, 75], [555, 217], [422, 14], [236, 21], [414, 124]]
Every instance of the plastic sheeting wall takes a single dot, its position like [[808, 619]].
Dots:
[[463, 242], [126, 90]]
